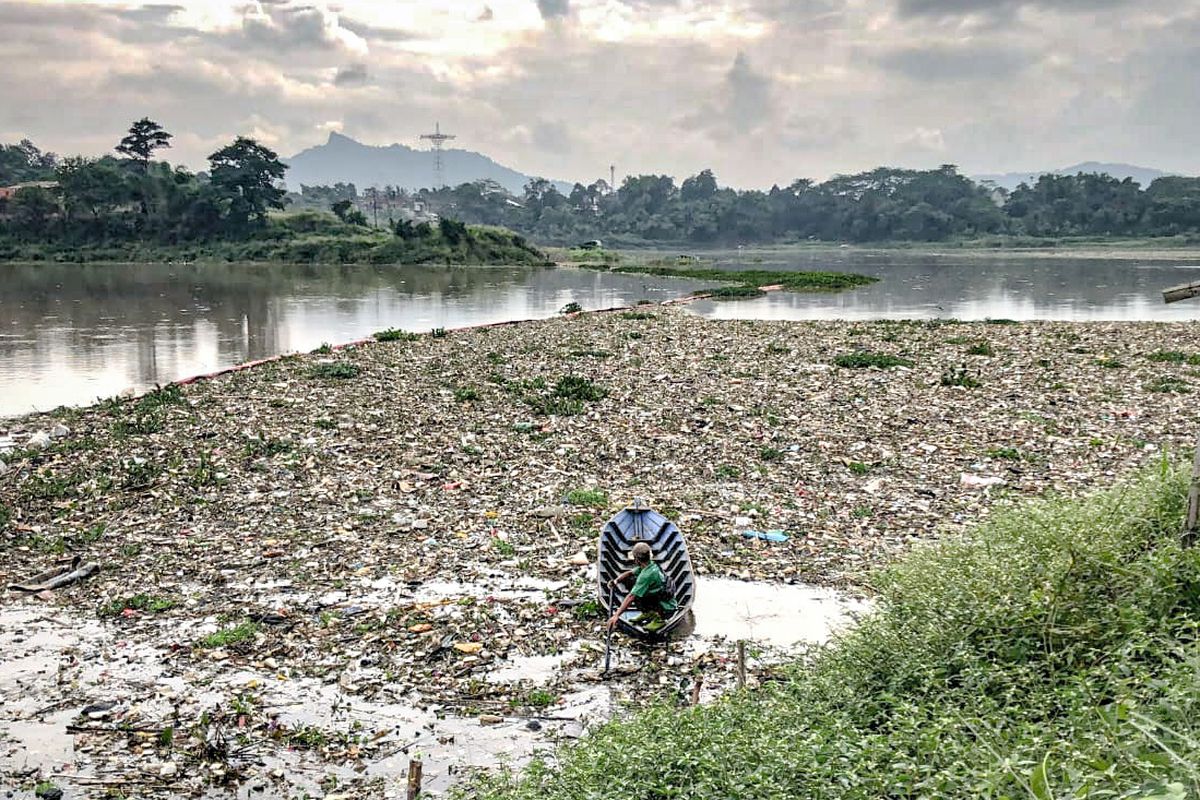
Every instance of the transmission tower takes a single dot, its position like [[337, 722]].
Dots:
[[438, 138]]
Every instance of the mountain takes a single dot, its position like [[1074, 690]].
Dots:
[[1143, 175], [344, 160]]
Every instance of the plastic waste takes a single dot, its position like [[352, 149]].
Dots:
[[767, 536]]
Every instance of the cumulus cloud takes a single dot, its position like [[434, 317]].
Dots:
[[762, 91], [292, 26]]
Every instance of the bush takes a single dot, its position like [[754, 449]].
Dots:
[[1050, 653], [395, 335]]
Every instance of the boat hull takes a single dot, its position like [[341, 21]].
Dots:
[[617, 538]]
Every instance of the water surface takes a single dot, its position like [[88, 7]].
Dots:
[[70, 334]]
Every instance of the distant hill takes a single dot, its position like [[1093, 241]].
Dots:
[[344, 160], [1143, 175]]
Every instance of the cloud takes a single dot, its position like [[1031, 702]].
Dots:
[[351, 75], [959, 8], [743, 104], [553, 9], [762, 91], [958, 61], [290, 26]]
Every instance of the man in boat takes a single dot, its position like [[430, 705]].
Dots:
[[650, 594]]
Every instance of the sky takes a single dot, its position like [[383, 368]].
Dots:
[[760, 91]]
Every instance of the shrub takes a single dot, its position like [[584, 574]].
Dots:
[[571, 308], [395, 335], [1051, 652], [573, 387]]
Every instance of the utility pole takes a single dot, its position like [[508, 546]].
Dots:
[[1174, 295], [438, 138]]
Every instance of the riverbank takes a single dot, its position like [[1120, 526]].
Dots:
[[393, 524], [305, 238], [1049, 653]]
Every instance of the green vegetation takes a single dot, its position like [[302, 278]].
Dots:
[[132, 208], [338, 370], [227, 637], [636, 315], [770, 454], [1168, 385], [1109, 363], [138, 602], [882, 205], [395, 335], [981, 349], [1009, 453], [587, 497], [1051, 653], [858, 468], [571, 308], [1174, 357], [573, 387], [865, 360], [465, 394], [750, 280]]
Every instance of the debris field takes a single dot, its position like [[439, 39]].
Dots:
[[314, 570]]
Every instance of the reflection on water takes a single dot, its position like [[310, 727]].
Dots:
[[973, 287], [71, 333]]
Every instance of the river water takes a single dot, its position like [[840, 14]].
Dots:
[[70, 334]]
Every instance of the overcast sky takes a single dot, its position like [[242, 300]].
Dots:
[[762, 91]]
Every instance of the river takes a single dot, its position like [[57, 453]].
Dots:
[[70, 334]]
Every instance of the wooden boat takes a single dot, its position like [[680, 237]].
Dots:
[[638, 523]]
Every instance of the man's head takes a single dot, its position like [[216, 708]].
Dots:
[[641, 553]]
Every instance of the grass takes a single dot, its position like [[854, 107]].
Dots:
[[1168, 385], [637, 315], [1174, 357], [5, 516], [587, 497], [770, 454], [338, 370], [227, 637], [865, 360], [574, 387], [750, 280], [1109, 363], [395, 335], [858, 468], [981, 349], [1008, 453], [465, 394], [1050, 653], [147, 603]]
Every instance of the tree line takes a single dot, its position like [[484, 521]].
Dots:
[[131, 196], [883, 204]]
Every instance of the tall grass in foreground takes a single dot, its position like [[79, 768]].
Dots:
[[1052, 653]]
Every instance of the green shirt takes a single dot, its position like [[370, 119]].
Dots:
[[650, 583]]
